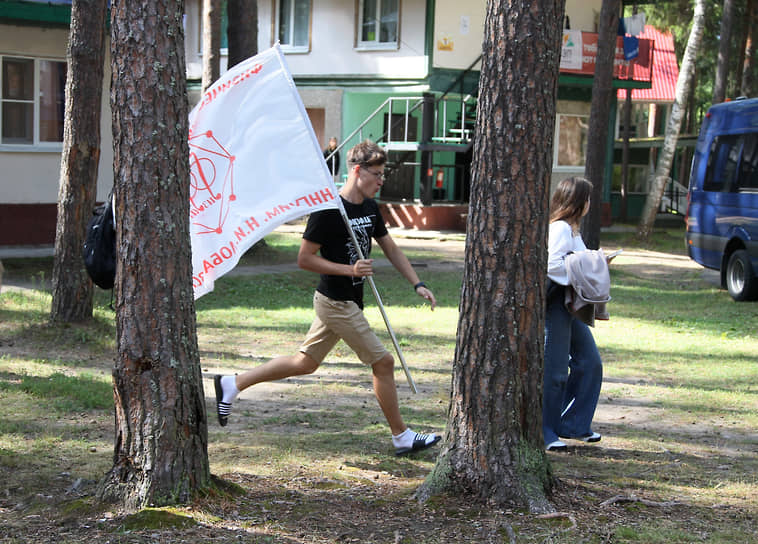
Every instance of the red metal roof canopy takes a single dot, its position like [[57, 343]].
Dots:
[[665, 69]]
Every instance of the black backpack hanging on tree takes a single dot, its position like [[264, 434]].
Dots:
[[99, 249]]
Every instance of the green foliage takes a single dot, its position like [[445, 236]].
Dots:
[[676, 16]]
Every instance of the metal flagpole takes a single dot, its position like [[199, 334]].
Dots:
[[378, 298]]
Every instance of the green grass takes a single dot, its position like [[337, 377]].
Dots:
[[65, 393], [679, 413], [29, 268], [666, 240]]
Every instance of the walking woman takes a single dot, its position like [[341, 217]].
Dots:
[[573, 369]]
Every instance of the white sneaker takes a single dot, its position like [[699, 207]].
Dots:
[[556, 445], [411, 441]]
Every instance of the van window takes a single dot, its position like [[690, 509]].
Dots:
[[722, 163], [748, 177]]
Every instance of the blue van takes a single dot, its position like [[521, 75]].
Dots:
[[722, 211]]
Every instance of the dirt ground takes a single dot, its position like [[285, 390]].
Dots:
[[376, 506], [663, 267]]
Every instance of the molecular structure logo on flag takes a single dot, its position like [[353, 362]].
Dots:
[[211, 183]]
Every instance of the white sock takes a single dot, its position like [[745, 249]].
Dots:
[[404, 439], [229, 385]]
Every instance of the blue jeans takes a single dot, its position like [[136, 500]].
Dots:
[[572, 378]]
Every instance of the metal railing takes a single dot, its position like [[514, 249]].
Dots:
[[386, 106], [460, 127], [455, 128], [674, 199], [453, 125]]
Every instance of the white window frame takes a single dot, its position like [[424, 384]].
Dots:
[[375, 45], [557, 142], [288, 47], [36, 144]]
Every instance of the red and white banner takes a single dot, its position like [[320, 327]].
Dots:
[[255, 164]]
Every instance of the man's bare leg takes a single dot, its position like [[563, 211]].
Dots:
[[404, 439], [228, 387], [277, 369], [386, 393]]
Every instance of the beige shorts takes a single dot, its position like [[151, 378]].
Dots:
[[337, 319]]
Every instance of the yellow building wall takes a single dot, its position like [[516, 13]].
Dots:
[[459, 29]]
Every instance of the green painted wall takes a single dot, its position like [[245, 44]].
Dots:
[[358, 106], [634, 205]]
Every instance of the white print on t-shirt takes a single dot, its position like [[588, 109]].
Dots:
[[360, 225]]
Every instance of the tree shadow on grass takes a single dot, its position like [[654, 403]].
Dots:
[[61, 392], [285, 290], [706, 371], [669, 469]]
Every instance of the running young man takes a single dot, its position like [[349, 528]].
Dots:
[[338, 300]]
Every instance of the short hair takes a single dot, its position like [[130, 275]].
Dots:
[[569, 199], [366, 153]]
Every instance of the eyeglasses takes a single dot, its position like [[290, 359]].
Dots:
[[379, 175]]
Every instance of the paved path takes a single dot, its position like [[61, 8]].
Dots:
[[451, 244], [446, 243]]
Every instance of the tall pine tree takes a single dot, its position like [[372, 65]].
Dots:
[[493, 447], [72, 288], [160, 454]]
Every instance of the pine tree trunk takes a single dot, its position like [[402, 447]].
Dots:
[[211, 42], [160, 454], [72, 288], [242, 32], [625, 157], [674, 124], [725, 42], [493, 447], [748, 67], [597, 134]]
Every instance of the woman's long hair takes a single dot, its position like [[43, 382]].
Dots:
[[569, 199]]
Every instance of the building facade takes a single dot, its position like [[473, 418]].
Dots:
[[404, 73]]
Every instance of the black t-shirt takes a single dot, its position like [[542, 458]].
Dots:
[[328, 229]]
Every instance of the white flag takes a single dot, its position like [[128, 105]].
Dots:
[[255, 164]]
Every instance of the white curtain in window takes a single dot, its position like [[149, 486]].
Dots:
[[294, 22]]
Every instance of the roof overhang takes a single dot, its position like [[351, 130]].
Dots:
[[36, 12]]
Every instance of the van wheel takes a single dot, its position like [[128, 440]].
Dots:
[[740, 277]]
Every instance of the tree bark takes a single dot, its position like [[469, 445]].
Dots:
[[625, 156], [160, 454], [211, 42], [597, 137], [72, 288], [674, 124], [493, 448], [725, 42], [747, 83], [242, 31]]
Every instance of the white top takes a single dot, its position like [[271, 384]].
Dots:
[[560, 242]]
